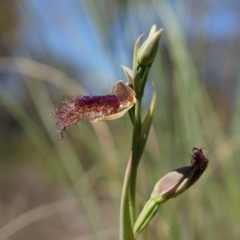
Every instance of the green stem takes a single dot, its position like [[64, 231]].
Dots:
[[140, 77], [144, 79], [136, 133]]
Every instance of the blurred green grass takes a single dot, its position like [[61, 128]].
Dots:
[[89, 165]]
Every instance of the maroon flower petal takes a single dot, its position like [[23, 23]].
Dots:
[[84, 107]]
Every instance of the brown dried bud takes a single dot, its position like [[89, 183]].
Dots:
[[179, 180], [171, 185]]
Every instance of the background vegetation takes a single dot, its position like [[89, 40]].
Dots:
[[71, 190]]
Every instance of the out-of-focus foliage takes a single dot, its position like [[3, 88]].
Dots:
[[71, 190]]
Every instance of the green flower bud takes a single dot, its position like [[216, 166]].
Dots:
[[148, 51]]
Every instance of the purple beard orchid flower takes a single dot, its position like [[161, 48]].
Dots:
[[94, 108]]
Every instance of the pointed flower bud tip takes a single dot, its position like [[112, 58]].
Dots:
[[152, 30]]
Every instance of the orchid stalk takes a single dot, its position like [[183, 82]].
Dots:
[[127, 97]]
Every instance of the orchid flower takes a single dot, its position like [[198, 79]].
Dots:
[[94, 108]]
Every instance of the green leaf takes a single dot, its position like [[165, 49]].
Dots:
[[126, 229], [147, 124]]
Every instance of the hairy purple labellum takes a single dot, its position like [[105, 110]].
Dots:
[[95, 108], [90, 108]]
